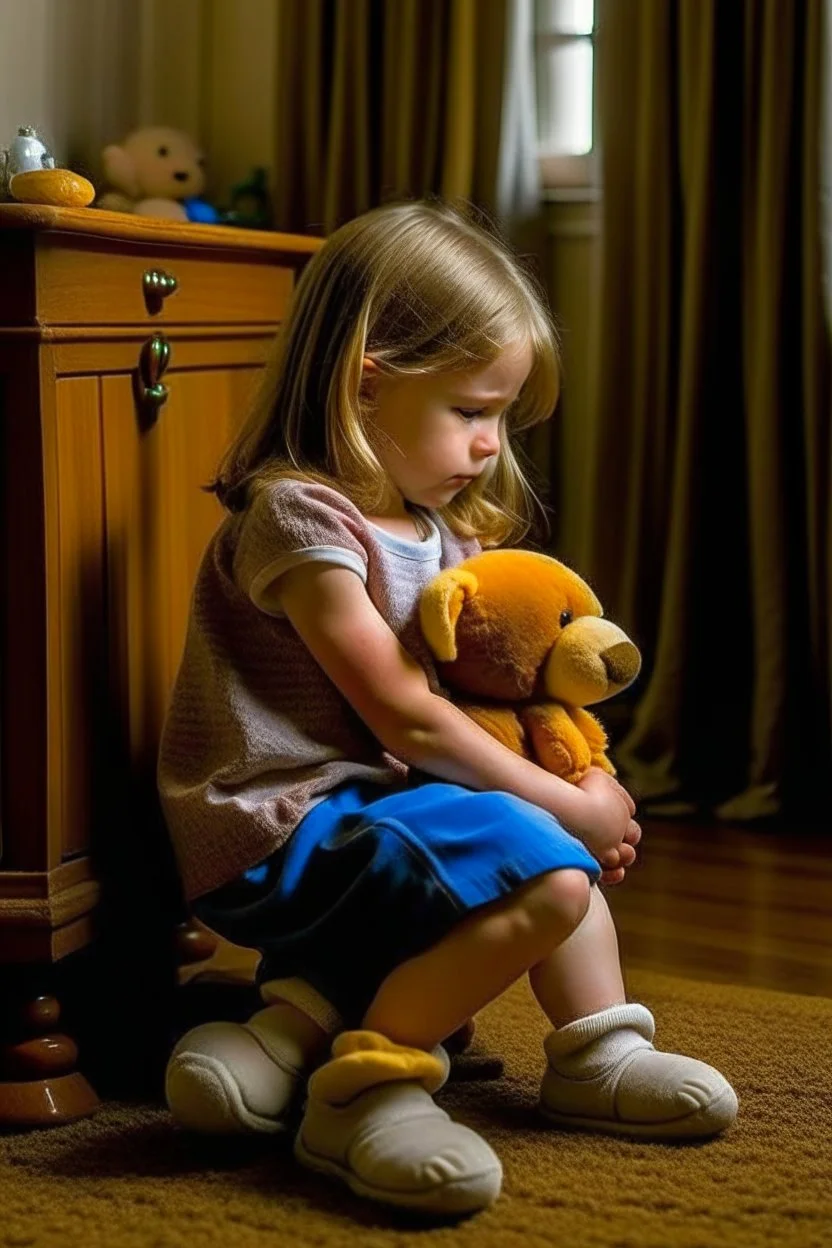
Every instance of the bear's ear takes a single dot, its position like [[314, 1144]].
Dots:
[[440, 607], [120, 170]]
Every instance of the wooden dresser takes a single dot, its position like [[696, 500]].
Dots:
[[129, 351]]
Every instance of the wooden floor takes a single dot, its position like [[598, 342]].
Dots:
[[729, 905]]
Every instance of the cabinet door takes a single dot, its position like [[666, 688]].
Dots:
[[158, 522], [76, 632]]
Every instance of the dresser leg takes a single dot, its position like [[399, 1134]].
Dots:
[[39, 1083]]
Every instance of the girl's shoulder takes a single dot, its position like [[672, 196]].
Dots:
[[294, 492], [287, 516], [288, 502], [291, 513]]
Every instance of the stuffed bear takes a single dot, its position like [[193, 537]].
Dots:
[[521, 645], [156, 172]]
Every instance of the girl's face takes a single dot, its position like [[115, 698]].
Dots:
[[428, 430]]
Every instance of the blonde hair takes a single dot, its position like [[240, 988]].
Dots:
[[420, 288]]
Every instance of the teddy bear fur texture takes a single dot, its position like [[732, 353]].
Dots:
[[521, 645]]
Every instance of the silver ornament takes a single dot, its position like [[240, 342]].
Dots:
[[26, 152]]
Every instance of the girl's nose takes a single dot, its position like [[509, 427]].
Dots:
[[486, 444]]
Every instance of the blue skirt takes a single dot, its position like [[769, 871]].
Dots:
[[371, 877]]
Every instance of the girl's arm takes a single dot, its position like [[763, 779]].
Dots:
[[330, 609]]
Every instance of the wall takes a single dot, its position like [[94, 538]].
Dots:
[[84, 72], [69, 68]]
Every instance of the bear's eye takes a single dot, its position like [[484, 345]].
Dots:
[[200, 160], [565, 618], [163, 151]]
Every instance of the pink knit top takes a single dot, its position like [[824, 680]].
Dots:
[[256, 733]]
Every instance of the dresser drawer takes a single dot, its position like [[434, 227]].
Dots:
[[90, 282]]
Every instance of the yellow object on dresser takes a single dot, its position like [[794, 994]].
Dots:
[[59, 187], [129, 350]]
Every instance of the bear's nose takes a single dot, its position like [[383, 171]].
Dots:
[[181, 175], [622, 662]]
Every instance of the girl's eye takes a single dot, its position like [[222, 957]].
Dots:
[[469, 413]]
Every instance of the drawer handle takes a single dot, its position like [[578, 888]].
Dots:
[[153, 361], [157, 285]]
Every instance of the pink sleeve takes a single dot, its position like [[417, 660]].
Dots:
[[291, 522]]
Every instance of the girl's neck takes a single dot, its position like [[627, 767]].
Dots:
[[408, 523]]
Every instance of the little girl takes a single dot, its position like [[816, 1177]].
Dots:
[[397, 867]]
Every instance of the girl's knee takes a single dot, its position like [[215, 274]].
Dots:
[[558, 899]]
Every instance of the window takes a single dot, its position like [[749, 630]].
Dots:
[[564, 48]]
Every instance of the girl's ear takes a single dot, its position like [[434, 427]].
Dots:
[[370, 373]]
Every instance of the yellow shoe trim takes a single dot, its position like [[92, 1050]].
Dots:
[[362, 1059]]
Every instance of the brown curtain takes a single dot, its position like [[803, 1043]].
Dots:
[[711, 525], [381, 99]]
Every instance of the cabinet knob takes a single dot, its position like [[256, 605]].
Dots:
[[154, 359], [157, 285]]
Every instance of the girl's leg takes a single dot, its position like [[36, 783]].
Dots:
[[581, 975], [369, 1117], [603, 1072], [425, 999]]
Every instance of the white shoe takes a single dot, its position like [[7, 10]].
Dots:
[[237, 1077], [395, 1145], [605, 1075], [391, 1143]]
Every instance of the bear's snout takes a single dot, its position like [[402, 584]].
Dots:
[[593, 659], [622, 662]]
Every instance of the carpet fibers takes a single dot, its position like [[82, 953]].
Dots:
[[128, 1178]]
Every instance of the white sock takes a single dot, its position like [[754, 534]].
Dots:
[[589, 1046]]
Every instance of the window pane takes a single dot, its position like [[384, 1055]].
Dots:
[[566, 17], [565, 98]]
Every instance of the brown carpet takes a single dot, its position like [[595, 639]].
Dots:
[[128, 1178]]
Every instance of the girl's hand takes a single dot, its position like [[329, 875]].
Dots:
[[615, 861], [606, 825]]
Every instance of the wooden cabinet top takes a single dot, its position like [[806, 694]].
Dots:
[[125, 227], [65, 270]]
